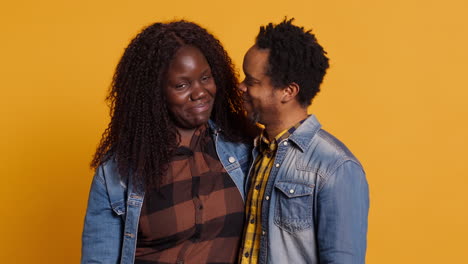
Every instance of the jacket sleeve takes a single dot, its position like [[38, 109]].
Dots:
[[342, 210], [102, 232]]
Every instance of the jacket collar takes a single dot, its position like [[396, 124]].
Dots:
[[302, 135], [214, 128], [305, 132]]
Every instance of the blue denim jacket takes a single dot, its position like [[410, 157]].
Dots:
[[316, 201], [112, 217]]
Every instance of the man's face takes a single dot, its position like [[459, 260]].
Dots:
[[261, 99]]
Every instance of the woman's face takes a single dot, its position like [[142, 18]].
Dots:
[[190, 89]]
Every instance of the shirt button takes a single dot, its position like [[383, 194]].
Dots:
[[232, 160], [263, 232], [277, 165], [285, 143], [267, 198], [257, 187], [246, 254], [252, 221], [291, 191]]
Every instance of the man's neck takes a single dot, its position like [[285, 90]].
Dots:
[[286, 120]]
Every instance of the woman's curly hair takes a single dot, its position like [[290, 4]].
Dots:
[[141, 135]]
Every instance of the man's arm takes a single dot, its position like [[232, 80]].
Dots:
[[342, 209]]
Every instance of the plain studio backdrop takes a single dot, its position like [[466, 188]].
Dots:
[[396, 94]]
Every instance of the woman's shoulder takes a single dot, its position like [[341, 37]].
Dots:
[[108, 171]]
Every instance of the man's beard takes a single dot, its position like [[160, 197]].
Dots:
[[254, 117]]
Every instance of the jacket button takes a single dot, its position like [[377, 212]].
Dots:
[[285, 143], [232, 160], [277, 165], [129, 235], [291, 191], [267, 198]]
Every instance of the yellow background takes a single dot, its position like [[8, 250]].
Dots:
[[396, 94]]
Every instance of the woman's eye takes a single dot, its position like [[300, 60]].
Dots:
[[205, 78], [181, 86]]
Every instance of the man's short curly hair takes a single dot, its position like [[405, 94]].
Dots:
[[294, 56]]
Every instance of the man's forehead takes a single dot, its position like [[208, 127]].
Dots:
[[256, 59], [256, 52]]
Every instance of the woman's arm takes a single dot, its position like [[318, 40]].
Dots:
[[102, 232]]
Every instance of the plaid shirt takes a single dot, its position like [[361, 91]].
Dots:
[[197, 214], [258, 180]]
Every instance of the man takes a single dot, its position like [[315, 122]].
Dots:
[[307, 194]]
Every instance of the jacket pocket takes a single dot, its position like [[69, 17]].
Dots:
[[293, 211]]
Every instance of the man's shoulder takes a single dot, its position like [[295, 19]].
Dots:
[[324, 155], [320, 150], [330, 145], [311, 137]]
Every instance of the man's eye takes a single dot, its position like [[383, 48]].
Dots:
[[248, 82]]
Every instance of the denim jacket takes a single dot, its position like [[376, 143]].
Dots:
[[112, 217], [316, 201]]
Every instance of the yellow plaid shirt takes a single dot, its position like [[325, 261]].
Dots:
[[258, 179]]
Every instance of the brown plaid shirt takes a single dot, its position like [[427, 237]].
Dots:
[[197, 214]]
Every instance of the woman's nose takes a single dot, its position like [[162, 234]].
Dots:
[[198, 91]]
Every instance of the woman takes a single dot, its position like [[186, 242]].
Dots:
[[170, 167]]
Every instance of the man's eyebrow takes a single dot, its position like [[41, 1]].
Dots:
[[251, 78]]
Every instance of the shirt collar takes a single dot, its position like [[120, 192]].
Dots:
[[265, 144]]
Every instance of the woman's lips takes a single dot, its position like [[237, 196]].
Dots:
[[201, 107]]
